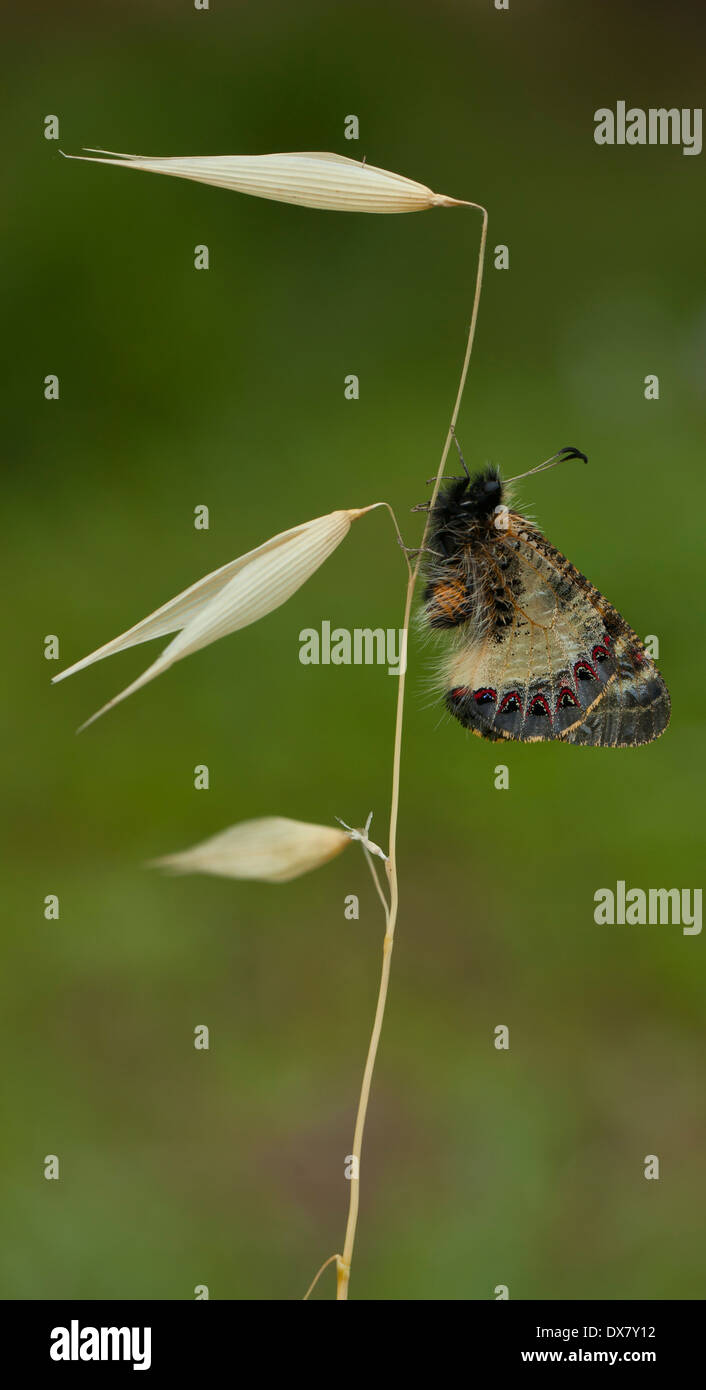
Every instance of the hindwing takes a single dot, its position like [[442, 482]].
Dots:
[[537, 652]]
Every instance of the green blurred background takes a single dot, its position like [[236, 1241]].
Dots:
[[225, 387]]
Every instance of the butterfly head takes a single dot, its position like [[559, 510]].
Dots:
[[468, 499], [483, 493]]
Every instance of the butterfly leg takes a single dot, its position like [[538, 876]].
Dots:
[[451, 478], [414, 551], [464, 465]]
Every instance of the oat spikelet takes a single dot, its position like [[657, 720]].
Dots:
[[313, 179], [273, 849], [230, 598]]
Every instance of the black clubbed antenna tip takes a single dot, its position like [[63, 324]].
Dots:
[[568, 452]]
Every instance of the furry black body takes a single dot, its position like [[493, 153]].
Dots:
[[460, 504]]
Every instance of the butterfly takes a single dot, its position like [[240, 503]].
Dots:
[[536, 652]]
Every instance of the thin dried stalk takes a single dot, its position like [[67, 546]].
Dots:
[[343, 1262]]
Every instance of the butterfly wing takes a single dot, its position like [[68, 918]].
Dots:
[[546, 656]]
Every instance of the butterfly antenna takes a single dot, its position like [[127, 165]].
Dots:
[[562, 456]]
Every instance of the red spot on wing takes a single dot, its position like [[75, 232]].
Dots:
[[584, 665], [565, 698], [507, 699], [539, 700]]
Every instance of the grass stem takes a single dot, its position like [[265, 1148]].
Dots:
[[343, 1262]]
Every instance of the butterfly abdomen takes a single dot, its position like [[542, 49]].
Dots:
[[449, 600]]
